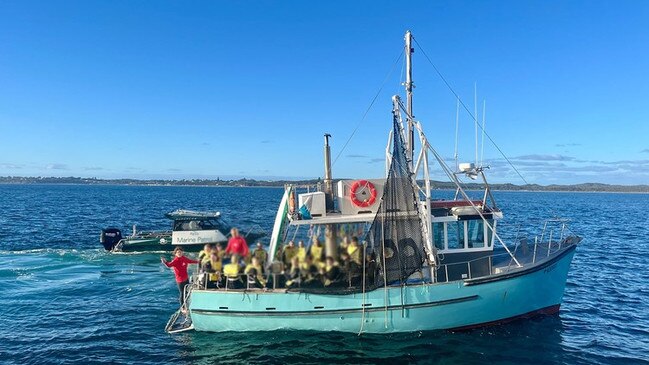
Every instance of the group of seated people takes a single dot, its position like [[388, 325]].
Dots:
[[221, 268], [293, 267]]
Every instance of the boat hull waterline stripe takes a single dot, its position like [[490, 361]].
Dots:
[[334, 311]]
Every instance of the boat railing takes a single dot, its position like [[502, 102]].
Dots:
[[503, 262], [267, 281], [257, 227]]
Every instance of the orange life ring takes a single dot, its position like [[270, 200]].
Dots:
[[353, 195]]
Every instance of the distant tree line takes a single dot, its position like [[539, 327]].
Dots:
[[586, 187]]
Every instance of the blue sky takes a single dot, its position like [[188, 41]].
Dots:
[[153, 89]]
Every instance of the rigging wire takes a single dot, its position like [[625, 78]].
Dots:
[[369, 107], [457, 128], [467, 110], [484, 110]]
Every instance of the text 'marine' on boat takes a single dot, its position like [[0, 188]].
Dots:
[[426, 265]]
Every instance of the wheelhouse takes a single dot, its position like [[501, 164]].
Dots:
[[461, 235], [192, 227]]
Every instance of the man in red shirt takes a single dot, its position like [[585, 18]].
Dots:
[[237, 245], [179, 264]]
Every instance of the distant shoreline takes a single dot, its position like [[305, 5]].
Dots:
[[437, 185]]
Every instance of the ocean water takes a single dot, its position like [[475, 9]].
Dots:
[[64, 300]]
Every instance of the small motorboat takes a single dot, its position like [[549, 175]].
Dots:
[[191, 230]]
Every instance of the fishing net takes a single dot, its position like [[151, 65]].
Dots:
[[395, 238]]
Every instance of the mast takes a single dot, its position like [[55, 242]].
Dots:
[[409, 86]]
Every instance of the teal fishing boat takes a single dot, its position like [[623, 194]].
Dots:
[[425, 264], [191, 230]]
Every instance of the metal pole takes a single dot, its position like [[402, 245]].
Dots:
[[328, 182], [409, 86], [331, 243]]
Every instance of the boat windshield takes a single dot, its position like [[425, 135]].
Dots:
[[197, 225]]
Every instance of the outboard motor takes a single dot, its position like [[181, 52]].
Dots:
[[110, 237]]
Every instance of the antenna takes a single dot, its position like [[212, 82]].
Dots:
[[484, 109], [475, 118], [457, 128]]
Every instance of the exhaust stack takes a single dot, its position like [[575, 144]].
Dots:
[[331, 241]]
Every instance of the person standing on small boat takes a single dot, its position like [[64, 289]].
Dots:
[[179, 264], [237, 245]]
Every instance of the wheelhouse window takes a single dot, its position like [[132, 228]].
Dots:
[[197, 225], [438, 235], [489, 232], [475, 233], [455, 235]]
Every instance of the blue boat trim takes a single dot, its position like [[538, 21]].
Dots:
[[334, 311], [505, 276]]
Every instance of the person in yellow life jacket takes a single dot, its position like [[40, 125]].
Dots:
[[331, 275], [218, 248], [290, 251], [213, 267], [316, 252], [354, 251], [301, 252], [309, 274], [255, 273], [344, 244], [260, 254], [204, 255], [231, 272]]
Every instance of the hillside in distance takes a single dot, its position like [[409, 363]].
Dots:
[[243, 182]]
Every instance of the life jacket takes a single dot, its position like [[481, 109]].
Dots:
[[261, 255], [217, 265], [215, 268], [289, 253], [203, 256], [316, 253], [354, 253], [250, 268], [231, 270], [301, 254]]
